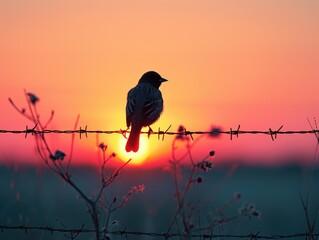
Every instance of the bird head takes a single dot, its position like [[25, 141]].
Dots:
[[153, 78]]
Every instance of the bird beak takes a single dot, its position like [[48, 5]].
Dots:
[[163, 80]]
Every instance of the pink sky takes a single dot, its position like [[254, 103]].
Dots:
[[253, 63]]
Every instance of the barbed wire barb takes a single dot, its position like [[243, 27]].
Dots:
[[163, 133], [28, 130], [236, 132], [273, 134], [85, 131], [316, 132]]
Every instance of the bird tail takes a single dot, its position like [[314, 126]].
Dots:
[[133, 140]]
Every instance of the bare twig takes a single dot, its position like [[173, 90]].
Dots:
[[55, 160]]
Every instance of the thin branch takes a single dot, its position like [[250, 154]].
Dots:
[[72, 141]]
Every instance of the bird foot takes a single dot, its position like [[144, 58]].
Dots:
[[150, 131], [123, 132]]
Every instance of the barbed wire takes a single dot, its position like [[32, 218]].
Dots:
[[160, 133], [165, 235]]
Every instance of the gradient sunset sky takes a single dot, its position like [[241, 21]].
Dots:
[[253, 63]]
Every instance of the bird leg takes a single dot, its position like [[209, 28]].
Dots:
[[123, 132], [150, 131]]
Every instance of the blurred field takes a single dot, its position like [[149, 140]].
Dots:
[[36, 197]]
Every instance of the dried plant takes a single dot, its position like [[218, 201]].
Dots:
[[184, 217], [56, 161], [184, 213]]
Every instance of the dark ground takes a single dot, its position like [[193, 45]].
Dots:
[[34, 197]]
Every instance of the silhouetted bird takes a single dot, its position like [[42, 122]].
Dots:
[[144, 106]]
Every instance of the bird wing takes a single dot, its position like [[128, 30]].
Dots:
[[130, 106], [152, 110], [144, 104]]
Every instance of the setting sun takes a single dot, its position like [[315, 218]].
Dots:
[[137, 158]]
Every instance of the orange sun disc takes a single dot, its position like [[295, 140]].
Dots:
[[137, 158]]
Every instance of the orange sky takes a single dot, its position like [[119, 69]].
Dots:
[[253, 63]]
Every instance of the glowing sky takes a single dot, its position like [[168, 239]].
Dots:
[[254, 63]]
